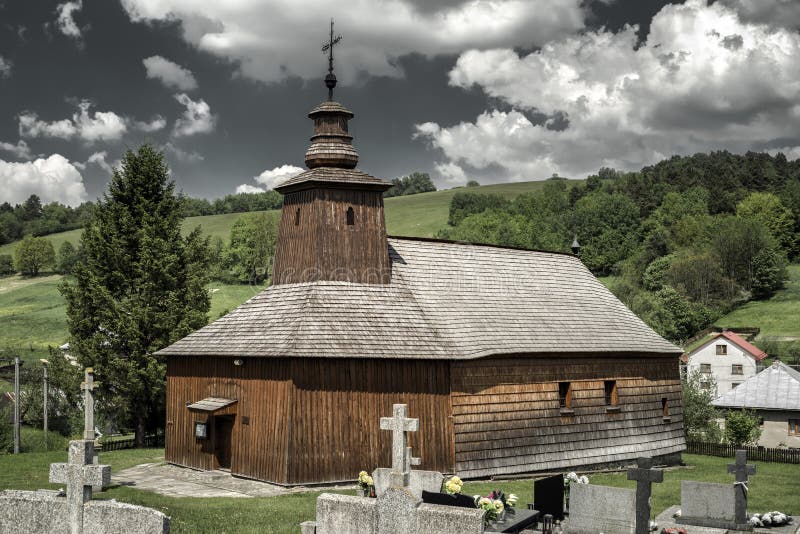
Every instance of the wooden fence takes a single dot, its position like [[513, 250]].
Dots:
[[762, 454], [155, 440]]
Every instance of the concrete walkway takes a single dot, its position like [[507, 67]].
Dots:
[[174, 481]]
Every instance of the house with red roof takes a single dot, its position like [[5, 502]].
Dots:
[[725, 360]]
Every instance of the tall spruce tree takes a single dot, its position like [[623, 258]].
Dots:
[[140, 288]]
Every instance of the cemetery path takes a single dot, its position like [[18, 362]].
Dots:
[[174, 481]]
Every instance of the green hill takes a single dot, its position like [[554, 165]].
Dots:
[[418, 215]]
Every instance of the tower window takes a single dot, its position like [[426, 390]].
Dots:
[[610, 392], [297, 217], [351, 216], [564, 395], [664, 407]]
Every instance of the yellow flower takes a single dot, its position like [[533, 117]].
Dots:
[[498, 505], [368, 480]]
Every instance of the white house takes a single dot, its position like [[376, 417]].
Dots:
[[726, 358], [774, 394]]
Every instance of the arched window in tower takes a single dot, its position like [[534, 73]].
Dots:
[[297, 217], [351, 216]]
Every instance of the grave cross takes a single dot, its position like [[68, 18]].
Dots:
[[79, 475], [644, 475], [88, 386], [399, 424], [741, 469]]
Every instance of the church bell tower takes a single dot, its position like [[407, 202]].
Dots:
[[332, 223]]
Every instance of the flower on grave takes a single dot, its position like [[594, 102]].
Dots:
[[511, 500], [487, 505], [498, 505], [365, 481], [572, 476], [453, 485]]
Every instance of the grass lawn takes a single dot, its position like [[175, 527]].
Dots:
[[777, 316], [775, 486]]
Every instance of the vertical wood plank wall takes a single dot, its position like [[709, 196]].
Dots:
[[262, 387], [323, 246], [336, 411], [311, 419], [507, 419]]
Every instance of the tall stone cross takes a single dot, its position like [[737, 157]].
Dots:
[[88, 386], [402, 461], [79, 474], [741, 469], [644, 475]]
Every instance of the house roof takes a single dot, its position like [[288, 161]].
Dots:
[[734, 338], [775, 388], [445, 300]]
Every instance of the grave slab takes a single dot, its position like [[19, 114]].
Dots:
[[417, 481], [397, 511], [707, 504], [345, 514], [594, 509]]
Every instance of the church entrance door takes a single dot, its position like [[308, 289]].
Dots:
[[223, 435]]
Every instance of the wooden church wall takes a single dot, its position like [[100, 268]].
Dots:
[[317, 243], [262, 387], [336, 409], [507, 419]]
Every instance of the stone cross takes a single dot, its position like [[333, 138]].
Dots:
[[79, 474], [741, 469], [644, 475], [88, 386], [399, 424]]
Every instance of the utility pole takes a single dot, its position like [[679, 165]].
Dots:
[[44, 400], [17, 364]]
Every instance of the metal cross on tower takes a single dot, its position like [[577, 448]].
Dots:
[[330, 79]]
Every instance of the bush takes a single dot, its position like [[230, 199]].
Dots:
[[699, 416], [463, 205], [742, 427], [67, 258], [6, 265]]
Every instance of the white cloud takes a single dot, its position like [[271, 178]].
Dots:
[[273, 39], [20, 150], [247, 188], [5, 67], [90, 127], [53, 179], [158, 123], [272, 177], [99, 159], [704, 80], [183, 155], [196, 119], [778, 12], [453, 174], [170, 74], [65, 21]]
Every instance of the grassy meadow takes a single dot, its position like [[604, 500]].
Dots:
[[778, 316], [775, 486]]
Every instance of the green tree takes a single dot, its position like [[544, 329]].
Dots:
[[742, 427], [6, 430], [67, 258], [33, 255], [737, 242], [464, 204], [141, 287], [473, 183], [699, 416], [607, 226], [769, 273], [252, 247], [698, 275], [6, 265], [768, 209], [494, 226], [416, 182]]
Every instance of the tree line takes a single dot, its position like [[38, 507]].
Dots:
[[683, 241]]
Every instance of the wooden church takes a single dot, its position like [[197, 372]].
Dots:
[[514, 361]]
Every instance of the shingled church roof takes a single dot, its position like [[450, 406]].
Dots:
[[445, 301]]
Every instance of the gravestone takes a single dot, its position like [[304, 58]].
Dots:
[[644, 475], [706, 504], [548, 496], [402, 460], [594, 509], [418, 481], [48, 512], [741, 469]]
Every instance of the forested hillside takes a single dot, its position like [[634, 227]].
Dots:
[[684, 241]]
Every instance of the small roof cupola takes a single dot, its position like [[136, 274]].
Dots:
[[332, 223]]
